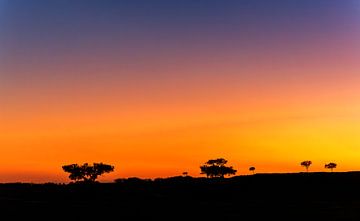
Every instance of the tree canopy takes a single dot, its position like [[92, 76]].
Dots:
[[87, 172], [252, 169], [331, 166], [217, 168], [306, 164]]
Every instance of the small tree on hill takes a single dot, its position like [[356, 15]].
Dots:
[[86, 172], [252, 169], [331, 166], [306, 164], [216, 168]]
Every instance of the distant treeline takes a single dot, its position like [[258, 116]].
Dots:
[[214, 168]]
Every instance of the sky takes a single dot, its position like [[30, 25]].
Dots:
[[157, 88]]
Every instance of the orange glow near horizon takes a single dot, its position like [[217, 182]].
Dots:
[[273, 131]]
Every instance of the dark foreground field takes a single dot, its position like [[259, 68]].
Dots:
[[313, 196]]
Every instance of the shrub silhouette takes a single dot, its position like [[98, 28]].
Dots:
[[306, 164], [331, 166], [216, 168], [86, 172], [252, 169]]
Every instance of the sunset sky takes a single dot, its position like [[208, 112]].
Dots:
[[158, 87]]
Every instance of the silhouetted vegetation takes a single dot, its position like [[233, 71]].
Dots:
[[306, 164], [326, 196], [87, 173], [217, 168], [331, 166], [252, 169]]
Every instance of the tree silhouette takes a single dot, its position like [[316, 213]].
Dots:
[[185, 174], [306, 164], [86, 172], [252, 169], [331, 166], [216, 168]]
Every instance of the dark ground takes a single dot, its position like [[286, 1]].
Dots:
[[312, 196]]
